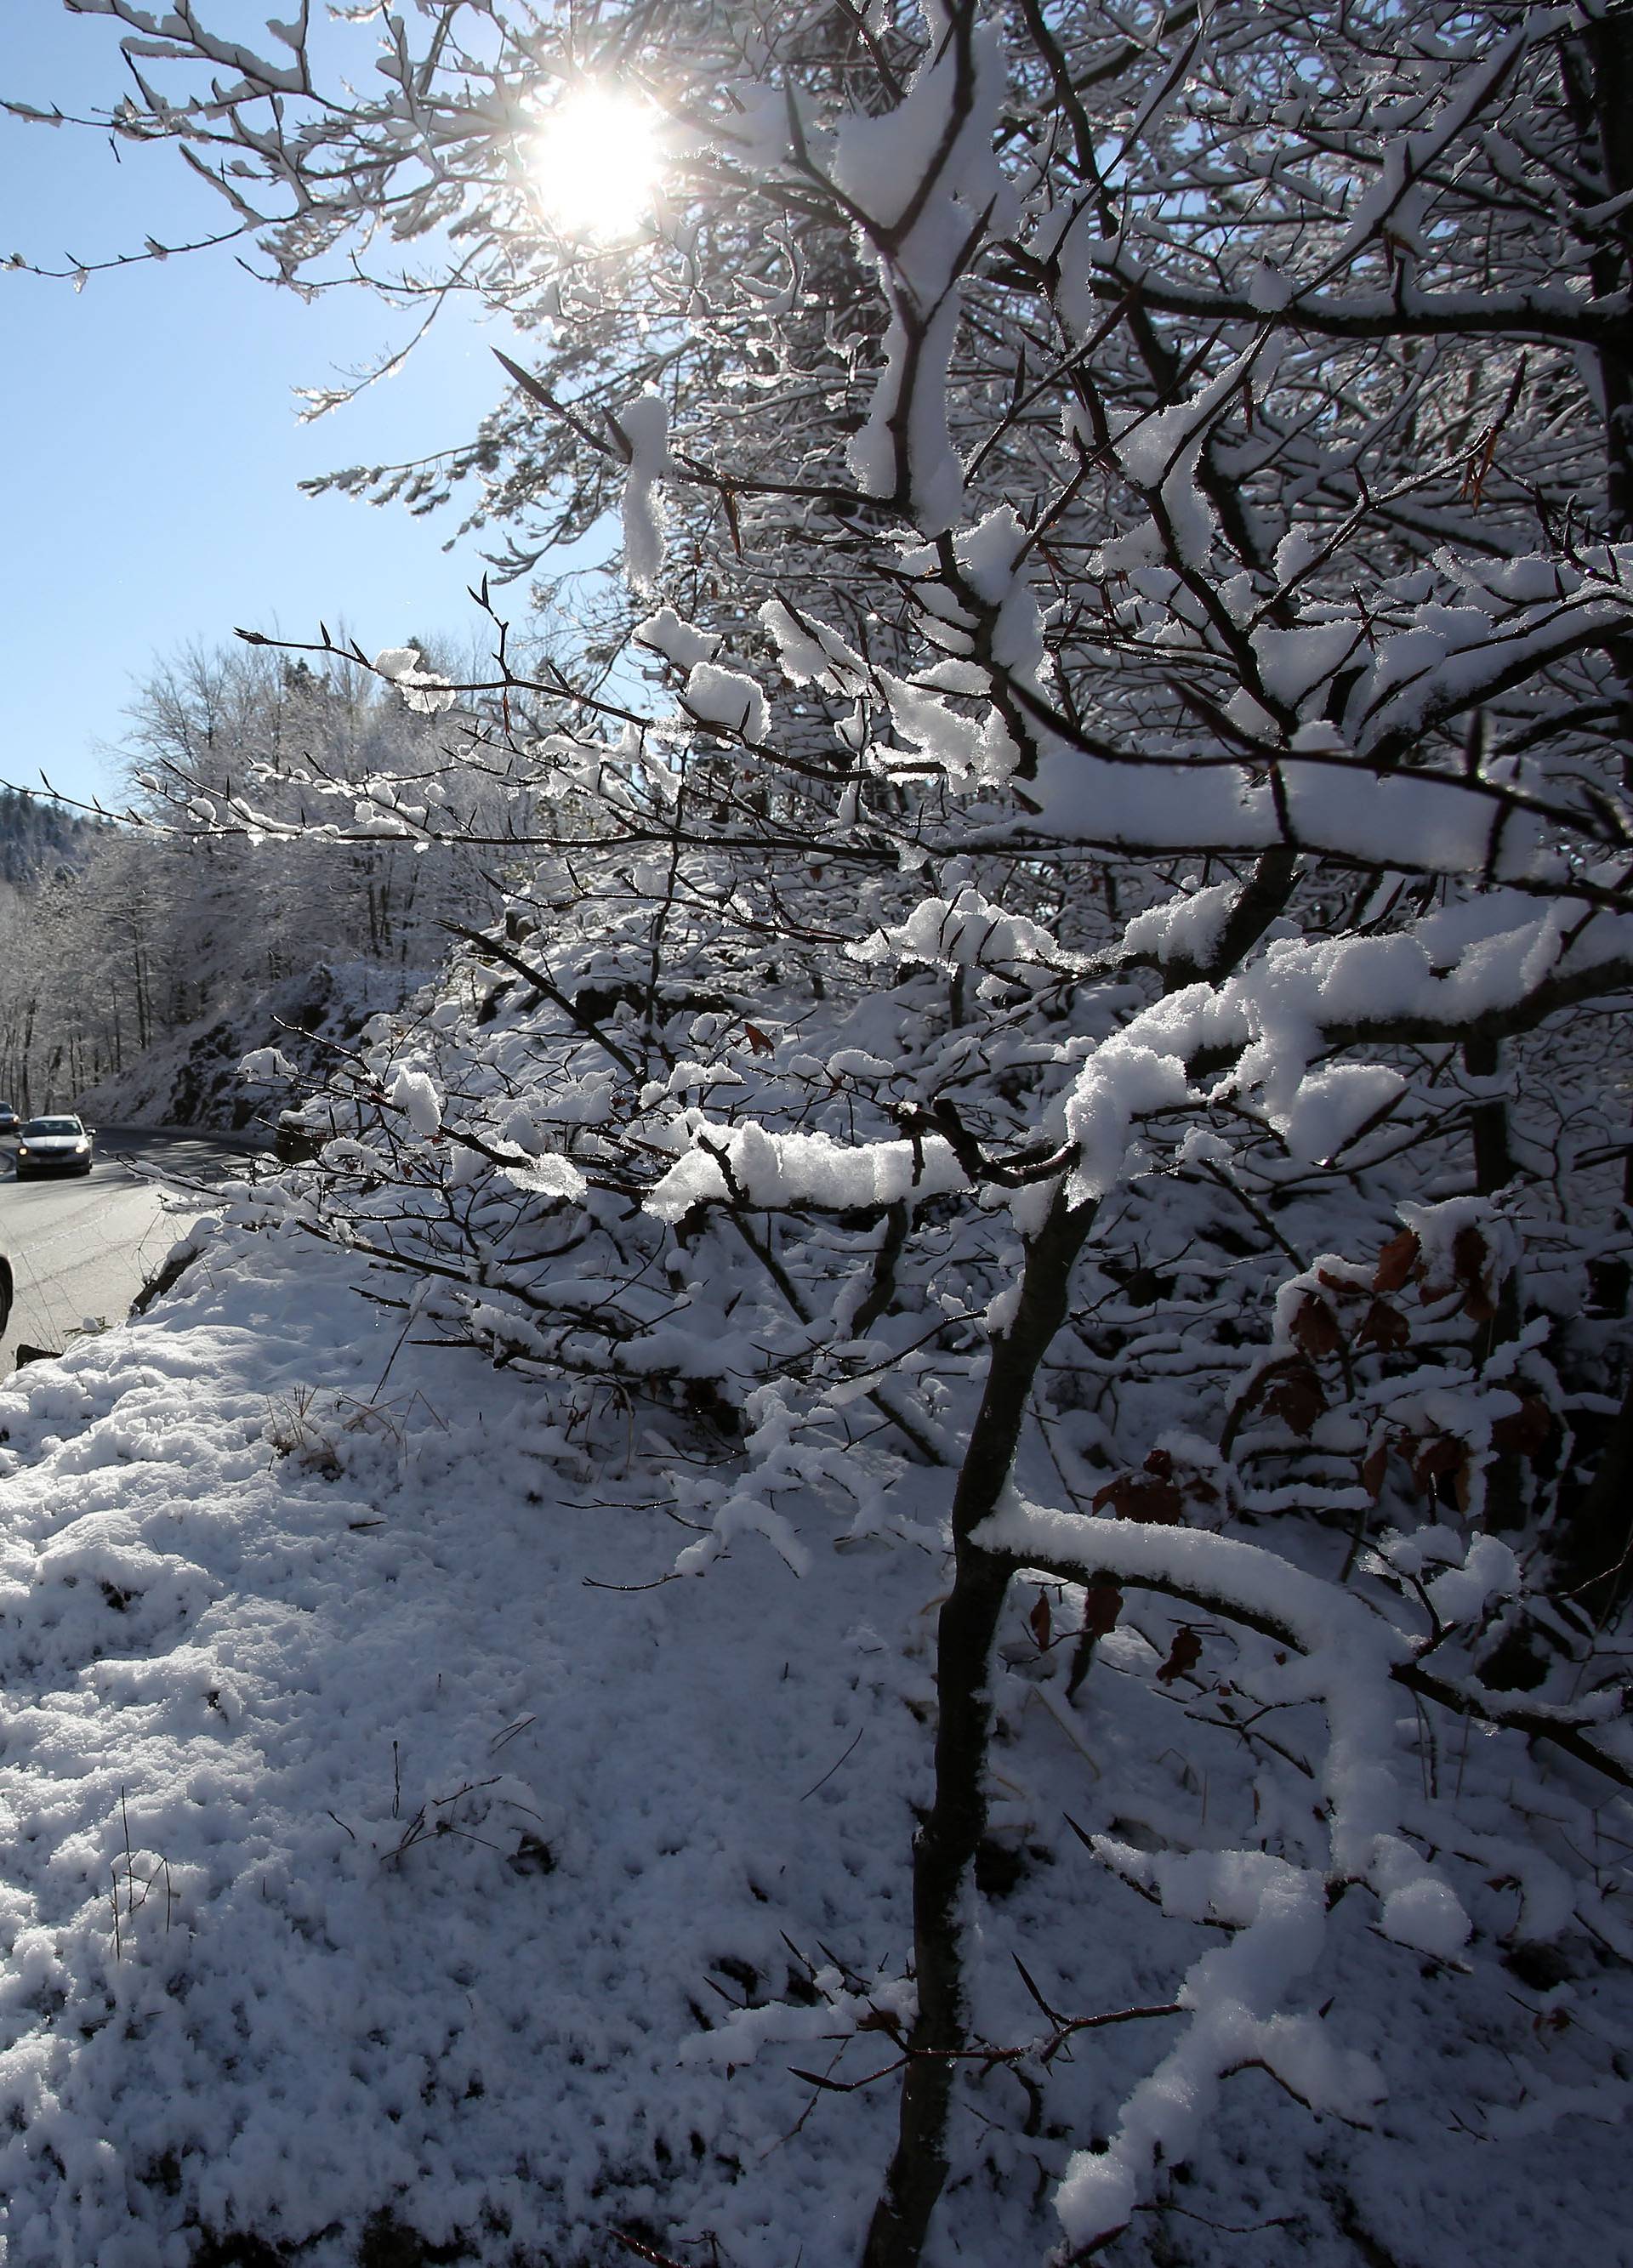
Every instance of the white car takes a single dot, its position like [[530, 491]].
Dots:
[[54, 1145]]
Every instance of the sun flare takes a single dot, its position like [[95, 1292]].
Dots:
[[594, 162]]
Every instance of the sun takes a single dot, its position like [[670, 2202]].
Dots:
[[594, 162]]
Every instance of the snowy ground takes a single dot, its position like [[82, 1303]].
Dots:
[[360, 1858]]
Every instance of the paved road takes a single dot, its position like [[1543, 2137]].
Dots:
[[83, 1246]]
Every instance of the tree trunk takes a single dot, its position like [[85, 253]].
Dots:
[[1598, 87], [1494, 1170], [943, 1864]]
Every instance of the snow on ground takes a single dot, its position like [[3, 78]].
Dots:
[[358, 1858], [431, 1848]]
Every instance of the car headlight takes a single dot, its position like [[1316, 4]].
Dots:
[[81, 1143], [23, 1150]]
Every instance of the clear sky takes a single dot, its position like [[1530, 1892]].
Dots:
[[152, 447]]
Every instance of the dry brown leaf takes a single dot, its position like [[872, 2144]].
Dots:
[[1315, 1328], [1385, 1326], [1183, 1655], [1396, 1261], [1297, 1397], [1526, 1431], [1143, 1496], [1103, 1602]]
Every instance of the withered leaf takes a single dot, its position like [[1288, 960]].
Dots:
[[1470, 1255], [1103, 1602], [1297, 1397], [1526, 1431], [1396, 1261], [1439, 1454], [1473, 1263], [1385, 1326], [1143, 1496], [1315, 1328], [1470, 1259], [1039, 1621], [1183, 1655]]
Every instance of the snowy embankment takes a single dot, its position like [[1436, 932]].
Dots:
[[359, 1865], [191, 1077], [356, 1856]]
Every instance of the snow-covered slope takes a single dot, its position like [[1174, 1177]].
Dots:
[[358, 1858], [191, 1077], [384, 1842]]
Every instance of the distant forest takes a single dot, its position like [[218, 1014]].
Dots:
[[40, 839]]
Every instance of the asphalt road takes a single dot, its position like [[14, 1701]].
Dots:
[[82, 1246]]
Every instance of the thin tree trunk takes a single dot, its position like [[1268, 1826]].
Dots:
[[945, 1850], [1596, 1546], [1494, 1170], [1598, 75]]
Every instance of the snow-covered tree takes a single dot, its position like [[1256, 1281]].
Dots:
[[1072, 1021], [149, 928], [246, 731]]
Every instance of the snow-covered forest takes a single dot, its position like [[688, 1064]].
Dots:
[[134, 959], [906, 1538]]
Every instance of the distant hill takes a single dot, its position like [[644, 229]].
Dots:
[[41, 840]]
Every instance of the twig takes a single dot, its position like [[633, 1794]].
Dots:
[[644, 2251], [833, 1768]]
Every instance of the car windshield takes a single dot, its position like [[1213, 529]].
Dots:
[[39, 1127]]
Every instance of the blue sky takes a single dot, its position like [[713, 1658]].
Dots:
[[152, 448]]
